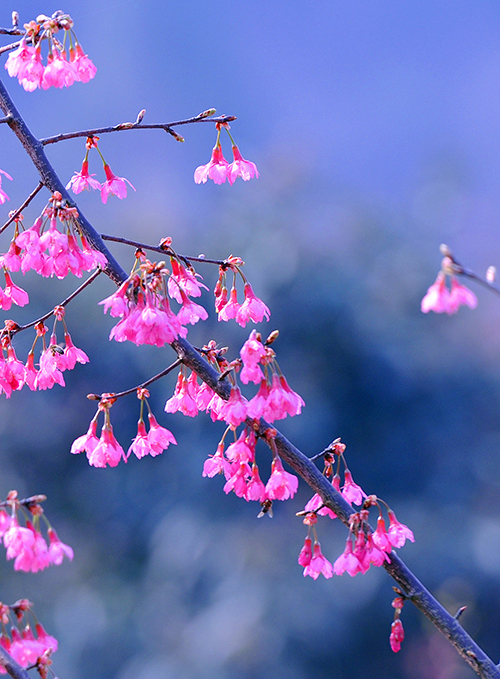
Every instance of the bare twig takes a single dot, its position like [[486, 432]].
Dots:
[[23, 206], [159, 248], [145, 384]]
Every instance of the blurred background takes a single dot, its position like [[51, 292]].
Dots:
[[375, 128]]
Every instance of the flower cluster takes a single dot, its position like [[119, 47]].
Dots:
[[26, 648], [442, 300], [241, 472], [54, 360], [142, 304], [3, 196], [252, 309], [218, 169], [113, 186], [363, 547], [26, 544], [48, 251], [105, 450], [62, 68], [274, 400]]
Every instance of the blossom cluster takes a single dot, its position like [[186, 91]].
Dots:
[[363, 547], [62, 68], [218, 169], [442, 300], [21, 643], [48, 251], [26, 544], [53, 361], [252, 309], [105, 450]]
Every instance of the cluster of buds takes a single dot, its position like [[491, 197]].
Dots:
[[105, 450], [48, 251], [26, 544], [20, 642], [252, 309], [218, 169], [54, 359], [442, 300], [62, 68], [113, 186], [397, 632]]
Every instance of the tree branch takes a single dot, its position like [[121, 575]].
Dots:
[[134, 126], [406, 580]]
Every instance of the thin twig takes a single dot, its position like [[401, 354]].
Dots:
[[132, 390], [50, 313], [133, 126], [6, 119], [23, 206], [158, 248]]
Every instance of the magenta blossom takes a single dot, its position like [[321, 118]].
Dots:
[[318, 565], [83, 180], [114, 186], [216, 169], [397, 635], [252, 309], [241, 168]]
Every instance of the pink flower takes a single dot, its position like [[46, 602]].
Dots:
[[281, 484], [235, 410], [217, 464], [238, 480], [216, 169], [397, 635], [460, 295], [251, 354], [241, 168], [13, 293], [281, 401], [18, 59], [88, 441], [229, 309], [58, 72], [315, 503], [241, 450], [182, 399], [3, 195], [190, 312], [318, 564], [257, 404], [114, 186], [437, 297], [380, 536], [49, 373], [83, 66], [140, 445], [57, 549], [83, 180], [159, 437], [72, 355], [183, 279], [256, 490], [18, 540], [252, 309], [347, 561], [108, 450], [32, 75], [351, 491], [305, 555], [398, 532]]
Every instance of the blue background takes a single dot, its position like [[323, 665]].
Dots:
[[375, 128]]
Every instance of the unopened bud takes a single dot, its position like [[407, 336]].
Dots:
[[140, 116], [174, 134], [206, 114], [445, 250], [272, 337], [15, 19], [491, 274]]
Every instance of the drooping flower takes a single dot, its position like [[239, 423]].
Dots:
[[159, 437], [314, 505], [234, 411], [437, 297], [108, 450], [59, 72], [319, 564], [397, 635], [241, 168], [255, 488], [460, 295], [83, 66], [88, 442], [305, 555], [217, 464], [83, 180], [347, 561], [114, 186], [58, 549], [252, 309], [398, 533], [216, 169], [281, 485], [381, 537], [351, 491]]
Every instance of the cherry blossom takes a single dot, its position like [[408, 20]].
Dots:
[[216, 169], [107, 451], [281, 484], [351, 491], [398, 533], [318, 565], [460, 295], [397, 635], [83, 67], [114, 186], [57, 549], [241, 168], [252, 309], [83, 180]]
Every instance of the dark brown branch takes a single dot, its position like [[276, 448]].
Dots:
[[23, 206], [134, 126], [158, 248]]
